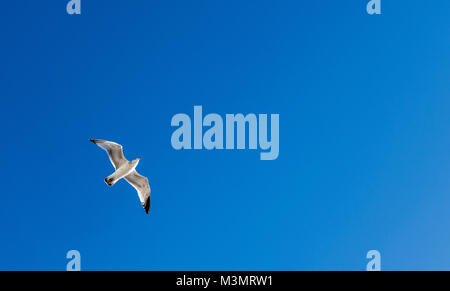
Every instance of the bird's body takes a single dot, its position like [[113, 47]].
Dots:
[[127, 170], [123, 171]]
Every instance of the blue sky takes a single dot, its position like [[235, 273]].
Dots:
[[364, 134]]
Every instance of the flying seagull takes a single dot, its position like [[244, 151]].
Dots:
[[125, 169]]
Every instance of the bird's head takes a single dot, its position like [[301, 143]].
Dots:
[[136, 161]]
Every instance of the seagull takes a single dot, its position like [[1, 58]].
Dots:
[[125, 169]]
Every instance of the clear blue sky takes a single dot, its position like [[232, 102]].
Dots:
[[364, 134]]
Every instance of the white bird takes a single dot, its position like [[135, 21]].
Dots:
[[125, 169]]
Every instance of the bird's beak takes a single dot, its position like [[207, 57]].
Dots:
[[140, 158]]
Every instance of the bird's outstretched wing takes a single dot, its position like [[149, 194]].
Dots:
[[140, 183], [114, 151]]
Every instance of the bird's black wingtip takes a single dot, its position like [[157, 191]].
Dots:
[[147, 205], [93, 140]]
